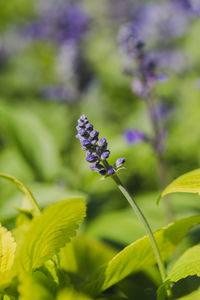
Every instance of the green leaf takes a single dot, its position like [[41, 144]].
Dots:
[[193, 296], [69, 294], [29, 196], [7, 256], [49, 232], [187, 265], [84, 255], [36, 287], [33, 139], [187, 183], [139, 255]]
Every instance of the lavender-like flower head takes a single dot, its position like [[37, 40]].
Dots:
[[97, 152]]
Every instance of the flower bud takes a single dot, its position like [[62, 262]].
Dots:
[[102, 172], [102, 142], [89, 127], [111, 172], [119, 162], [105, 154], [85, 143], [92, 158], [94, 133]]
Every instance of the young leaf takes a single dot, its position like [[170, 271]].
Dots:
[[140, 255], [187, 265], [7, 256], [50, 231], [187, 183]]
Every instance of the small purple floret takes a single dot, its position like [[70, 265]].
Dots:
[[102, 142], [111, 172], [82, 131], [92, 158], [89, 127], [85, 143], [105, 154], [119, 162], [94, 133], [102, 172]]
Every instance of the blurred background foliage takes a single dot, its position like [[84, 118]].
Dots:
[[60, 59]]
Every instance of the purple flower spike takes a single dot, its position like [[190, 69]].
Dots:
[[96, 155], [133, 136]]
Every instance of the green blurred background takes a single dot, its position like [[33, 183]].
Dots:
[[47, 81]]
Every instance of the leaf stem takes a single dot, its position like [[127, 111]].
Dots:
[[145, 224]]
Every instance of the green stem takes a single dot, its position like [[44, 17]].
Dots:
[[146, 225], [24, 190]]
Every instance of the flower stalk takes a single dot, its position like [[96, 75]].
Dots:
[[97, 155], [145, 224]]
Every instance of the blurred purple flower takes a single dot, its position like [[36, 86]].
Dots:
[[38, 29], [190, 7], [71, 23], [53, 93], [162, 111], [129, 40], [61, 23], [133, 136], [119, 10], [158, 20]]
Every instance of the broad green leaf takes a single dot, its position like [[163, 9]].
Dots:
[[7, 256], [36, 287], [84, 255], [187, 183], [188, 264], [69, 294], [139, 255], [50, 231]]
